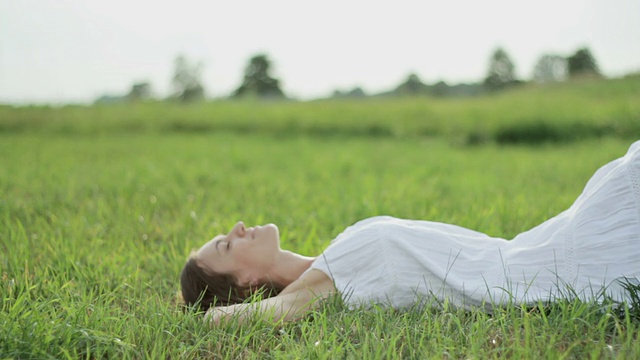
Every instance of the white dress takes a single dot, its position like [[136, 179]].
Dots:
[[586, 251]]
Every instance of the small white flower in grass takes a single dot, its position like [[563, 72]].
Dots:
[[316, 343], [153, 199], [145, 237], [141, 219], [609, 349], [193, 215]]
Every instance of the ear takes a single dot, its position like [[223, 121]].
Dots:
[[248, 281], [251, 286]]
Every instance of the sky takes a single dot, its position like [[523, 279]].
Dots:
[[73, 51]]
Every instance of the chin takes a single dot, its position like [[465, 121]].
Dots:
[[272, 231]]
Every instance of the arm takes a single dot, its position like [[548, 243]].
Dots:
[[295, 300]]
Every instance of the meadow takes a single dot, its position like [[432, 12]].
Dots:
[[101, 205]]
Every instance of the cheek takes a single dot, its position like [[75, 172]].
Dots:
[[240, 247]]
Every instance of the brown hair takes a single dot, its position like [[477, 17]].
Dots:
[[202, 289]]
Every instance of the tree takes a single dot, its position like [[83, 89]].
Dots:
[[440, 88], [501, 71], [412, 86], [356, 92], [187, 80], [582, 63], [139, 91], [550, 68], [257, 80]]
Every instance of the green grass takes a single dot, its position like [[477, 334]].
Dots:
[[530, 114], [96, 222]]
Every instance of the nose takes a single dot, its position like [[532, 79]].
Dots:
[[239, 228]]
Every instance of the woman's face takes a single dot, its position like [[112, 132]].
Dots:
[[245, 253]]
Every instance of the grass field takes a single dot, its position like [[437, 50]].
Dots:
[[100, 206]]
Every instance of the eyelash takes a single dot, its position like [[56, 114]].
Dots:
[[228, 245]]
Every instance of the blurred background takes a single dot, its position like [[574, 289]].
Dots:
[[81, 52]]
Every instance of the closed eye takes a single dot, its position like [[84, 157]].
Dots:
[[228, 245]]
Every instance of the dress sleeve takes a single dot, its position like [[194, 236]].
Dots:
[[356, 262]]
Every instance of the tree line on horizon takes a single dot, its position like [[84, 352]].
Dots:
[[257, 81]]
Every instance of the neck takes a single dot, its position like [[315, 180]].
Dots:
[[289, 267]]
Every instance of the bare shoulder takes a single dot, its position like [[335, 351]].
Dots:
[[300, 296], [314, 283]]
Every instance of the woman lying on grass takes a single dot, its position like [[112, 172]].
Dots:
[[589, 251]]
